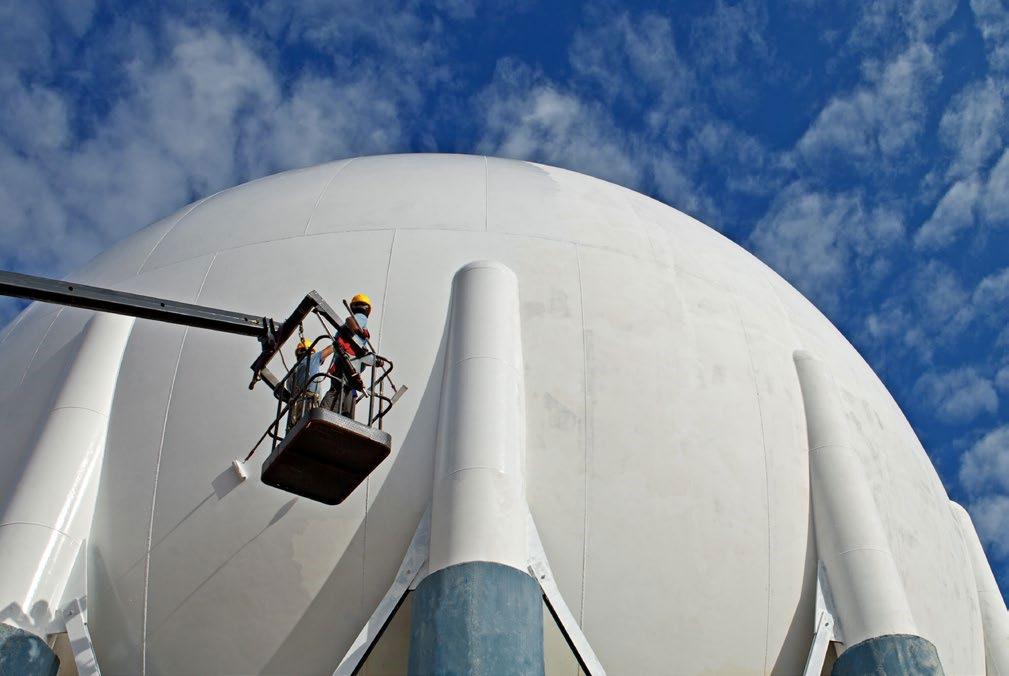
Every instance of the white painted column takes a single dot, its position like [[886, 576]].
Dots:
[[867, 588], [994, 617], [479, 611], [479, 504], [44, 521]]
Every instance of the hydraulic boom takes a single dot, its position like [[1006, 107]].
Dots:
[[270, 335]]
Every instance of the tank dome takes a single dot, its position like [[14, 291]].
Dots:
[[666, 452]]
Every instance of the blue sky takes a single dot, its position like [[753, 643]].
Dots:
[[860, 148]]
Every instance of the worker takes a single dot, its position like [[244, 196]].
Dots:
[[352, 343], [305, 381]]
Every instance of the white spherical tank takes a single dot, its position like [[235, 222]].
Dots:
[[666, 451]]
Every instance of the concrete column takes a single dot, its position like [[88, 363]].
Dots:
[[994, 617], [45, 520], [879, 631], [478, 611]]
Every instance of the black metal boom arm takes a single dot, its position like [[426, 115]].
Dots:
[[271, 337], [132, 304]]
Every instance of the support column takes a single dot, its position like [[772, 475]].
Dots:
[[994, 617], [478, 611], [47, 517], [879, 630]]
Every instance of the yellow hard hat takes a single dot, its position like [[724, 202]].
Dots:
[[361, 298], [304, 344]]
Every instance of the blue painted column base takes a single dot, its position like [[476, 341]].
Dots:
[[892, 655], [25, 654], [478, 619]]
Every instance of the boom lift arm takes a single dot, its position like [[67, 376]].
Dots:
[[271, 336]]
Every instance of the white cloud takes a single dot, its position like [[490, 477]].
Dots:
[[990, 515], [878, 122], [195, 109], [726, 45], [995, 200], [1002, 379], [973, 126], [33, 117], [885, 22], [925, 17], [895, 322], [993, 289], [942, 303], [992, 19], [818, 240], [635, 58], [526, 116], [953, 214], [957, 396], [984, 474], [664, 94], [729, 33]]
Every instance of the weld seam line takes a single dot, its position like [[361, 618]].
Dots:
[[585, 439], [38, 345], [191, 209], [157, 473], [325, 189], [41, 525], [367, 479], [767, 486], [504, 233]]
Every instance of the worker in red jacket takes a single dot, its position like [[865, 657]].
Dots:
[[352, 344]]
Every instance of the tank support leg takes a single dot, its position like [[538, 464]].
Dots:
[[479, 611], [994, 619], [872, 608]]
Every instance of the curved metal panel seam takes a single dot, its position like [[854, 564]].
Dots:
[[494, 468], [823, 447], [330, 233], [510, 367], [644, 227], [367, 480], [322, 193], [157, 472], [154, 500], [80, 408], [585, 437], [192, 207], [767, 486], [866, 549], [504, 233], [41, 525], [10, 328], [38, 345]]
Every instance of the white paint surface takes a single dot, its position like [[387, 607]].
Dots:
[[666, 459]]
